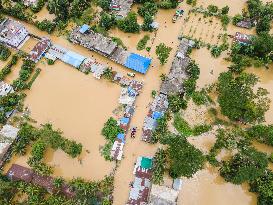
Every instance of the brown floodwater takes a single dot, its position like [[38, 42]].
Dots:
[[79, 105], [207, 187]]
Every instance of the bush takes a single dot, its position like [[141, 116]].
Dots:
[[176, 103], [142, 43], [263, 187], [50, 61], [262, 133], [236, 19], [216, 51], [4, 53], [129, 23], [200, 129], [7, 69], [46, 25], [163, 52], [159, 166], [182, 126]]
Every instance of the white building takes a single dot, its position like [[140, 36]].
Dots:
[[13, 33]]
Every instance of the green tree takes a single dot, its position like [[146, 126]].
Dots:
[[129, 23], [263, 186], [237, 99], [184, 159], [247, 165], [163, 52]]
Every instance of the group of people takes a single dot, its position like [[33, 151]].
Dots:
[[133, 132]]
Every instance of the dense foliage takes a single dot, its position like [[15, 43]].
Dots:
[[247, 165], [7, 69], [184, 159], [262, 133], [263, 186], [159, 166], [110, 131], [24, 75], [4, 52], [163, 52], [129, 23], [237, 99]]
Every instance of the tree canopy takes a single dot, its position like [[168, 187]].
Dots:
[[239, 101]]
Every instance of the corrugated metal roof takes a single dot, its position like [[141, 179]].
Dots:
[[73, 58], [138, 63]]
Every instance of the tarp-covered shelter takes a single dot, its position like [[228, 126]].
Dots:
[[138, 63]]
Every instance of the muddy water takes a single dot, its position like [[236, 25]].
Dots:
[[210, 67], [79, 105], [207, 187], [266, 81]]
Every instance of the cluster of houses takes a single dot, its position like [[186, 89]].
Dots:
[[128, 95], [144, 192], [76, 60], [141, 186], [20, 173], [172, 85], [120, 8], [105, 46], [8, 136]]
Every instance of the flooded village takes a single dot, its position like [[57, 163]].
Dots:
[[136, 102]]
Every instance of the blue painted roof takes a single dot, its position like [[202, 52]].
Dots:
[[73, 59], [157, 115], [124, 120], [121, 136], [138, 63], [84, 28]]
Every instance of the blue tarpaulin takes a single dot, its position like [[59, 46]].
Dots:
[[124, 120], [132, 92], [73, 59], [157, 115], [121, 137], [138, 63], [84, 28]]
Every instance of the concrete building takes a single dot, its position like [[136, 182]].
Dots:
[[13, 33]]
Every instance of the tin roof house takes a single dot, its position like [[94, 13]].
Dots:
[[39, 49], [13, 33], [5, 89], [242, 38], [141, 186], [105, 46]]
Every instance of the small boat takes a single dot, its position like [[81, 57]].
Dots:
[[131, 75]]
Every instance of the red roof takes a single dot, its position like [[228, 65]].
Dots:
[[39, 49], [20, 173]]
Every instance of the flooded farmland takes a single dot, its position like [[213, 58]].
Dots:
[[79, 105]]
